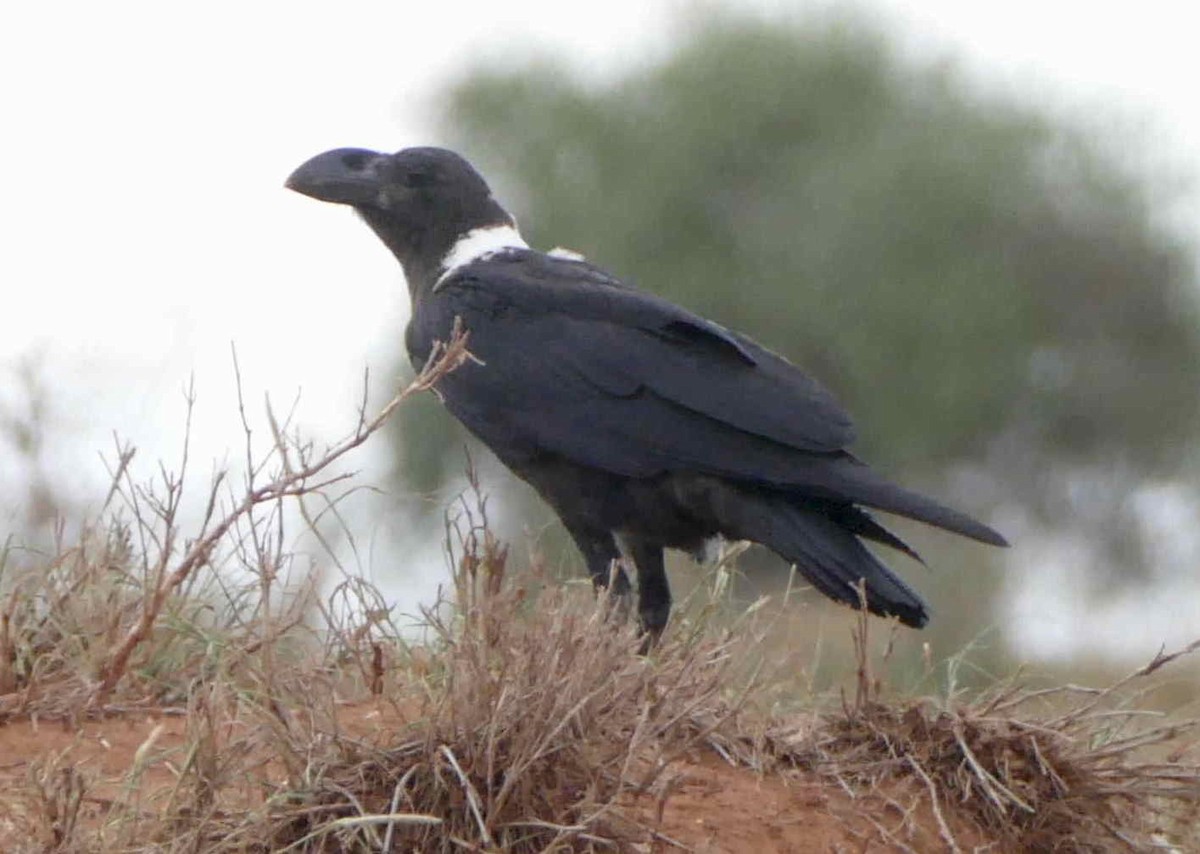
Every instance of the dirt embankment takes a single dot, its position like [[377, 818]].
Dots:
[[704, 804]]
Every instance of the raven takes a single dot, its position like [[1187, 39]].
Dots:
[[643, 425]]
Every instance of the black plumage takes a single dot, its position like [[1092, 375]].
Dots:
[[643, 425]]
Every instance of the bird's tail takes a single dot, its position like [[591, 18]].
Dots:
[[823, 547], [849, 480]]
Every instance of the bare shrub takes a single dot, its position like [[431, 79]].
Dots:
[[1066, 768], [524, 720], [530, 723]]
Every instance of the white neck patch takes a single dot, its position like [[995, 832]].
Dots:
[[478, 243]]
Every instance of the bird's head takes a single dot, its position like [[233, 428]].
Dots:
[[420, 201]]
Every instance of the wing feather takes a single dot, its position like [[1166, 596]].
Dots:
[[576, 364]]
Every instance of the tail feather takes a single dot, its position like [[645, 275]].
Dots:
[[854, 482], [824, 550], [858, 522]]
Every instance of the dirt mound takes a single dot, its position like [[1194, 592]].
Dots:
[[167, 690], [714, 807], [705, 804]]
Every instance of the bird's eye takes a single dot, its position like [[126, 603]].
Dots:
[[419, 178], [355, 160]]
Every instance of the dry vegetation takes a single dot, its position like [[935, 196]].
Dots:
[[522, 718]]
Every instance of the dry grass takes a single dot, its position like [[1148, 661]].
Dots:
[[523, 720], [529, 721], [1067, 768], [140, 604]]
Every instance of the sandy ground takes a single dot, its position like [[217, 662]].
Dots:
[[711, 806]]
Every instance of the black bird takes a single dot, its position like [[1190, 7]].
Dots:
[[643, 425]]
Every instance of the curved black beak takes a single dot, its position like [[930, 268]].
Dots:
[[346, 176]]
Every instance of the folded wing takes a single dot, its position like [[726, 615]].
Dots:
[[616, 379]]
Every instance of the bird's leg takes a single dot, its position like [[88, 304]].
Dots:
[[606, 570], [603, 560], [654, 593]]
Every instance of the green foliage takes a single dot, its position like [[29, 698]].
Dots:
[[976, 279], [964, 263]]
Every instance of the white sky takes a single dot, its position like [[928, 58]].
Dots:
[[145, 227]]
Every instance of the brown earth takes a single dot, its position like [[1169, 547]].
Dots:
[[710, 806]]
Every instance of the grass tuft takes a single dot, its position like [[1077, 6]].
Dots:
[[531, 724], [252, 716]]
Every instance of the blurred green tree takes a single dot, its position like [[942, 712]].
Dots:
[[978, 281]]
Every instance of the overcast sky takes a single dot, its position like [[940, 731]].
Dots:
[[145, 227]]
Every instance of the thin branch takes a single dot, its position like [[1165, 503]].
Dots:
[[298, 482]]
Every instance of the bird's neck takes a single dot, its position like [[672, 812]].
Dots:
[[428, 254], [479, 243]]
